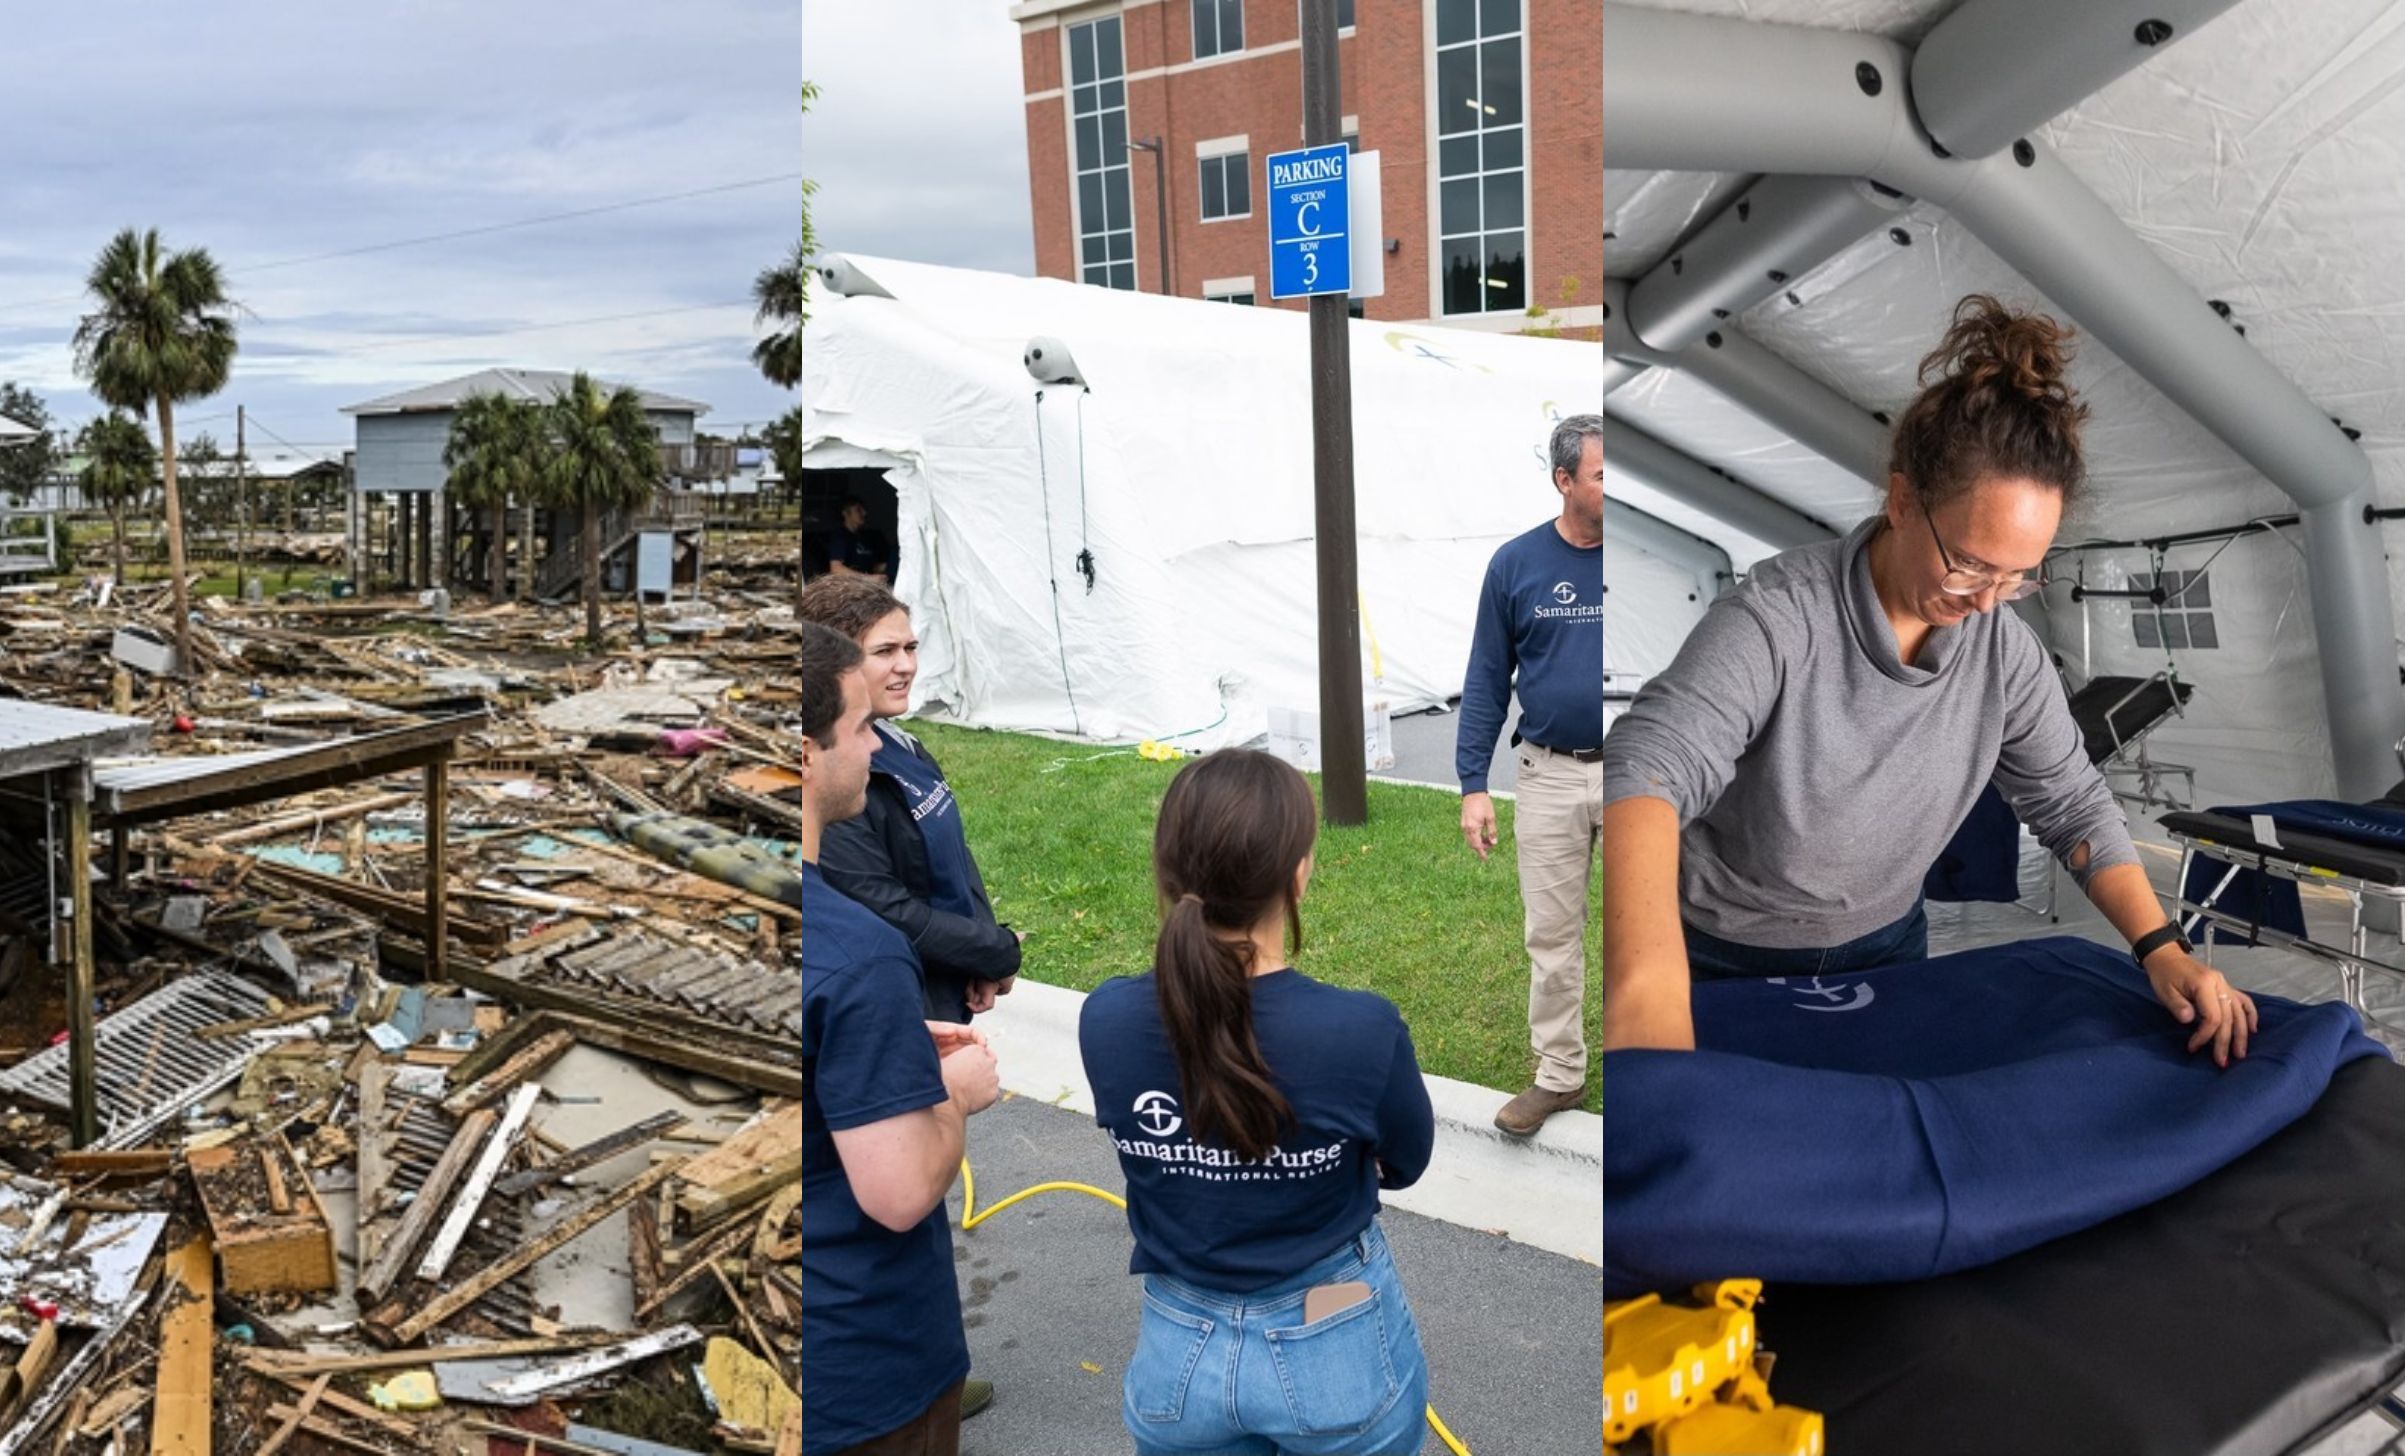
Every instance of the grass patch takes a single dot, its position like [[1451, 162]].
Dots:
[[1399, 906]]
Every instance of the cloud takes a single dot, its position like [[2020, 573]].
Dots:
[[269, 130]]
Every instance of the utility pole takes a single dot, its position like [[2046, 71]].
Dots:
[[242, 508], [1160, 199], [1344, 775]]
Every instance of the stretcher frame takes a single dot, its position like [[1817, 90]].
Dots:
[[2351, 960]]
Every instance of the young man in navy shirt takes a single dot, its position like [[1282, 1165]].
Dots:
[[886, 1096], [1540, 634]]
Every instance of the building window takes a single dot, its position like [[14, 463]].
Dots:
[[1229, 290], [1218, 27], [1481, 156], [1227, 188], [1106, 236], [1243, 298], [2185, 619]]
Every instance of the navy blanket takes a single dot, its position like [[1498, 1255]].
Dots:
[[1983, 860], [1912, 1121], [2381, 826]]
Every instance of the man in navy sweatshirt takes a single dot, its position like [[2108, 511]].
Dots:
[[1540, 633]]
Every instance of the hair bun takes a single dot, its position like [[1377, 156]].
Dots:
[[1993, 347]]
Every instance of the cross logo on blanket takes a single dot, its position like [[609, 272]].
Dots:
[[1862, 992]]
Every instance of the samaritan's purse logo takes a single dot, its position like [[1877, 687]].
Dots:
[[1156, 1113], [1564, 593]]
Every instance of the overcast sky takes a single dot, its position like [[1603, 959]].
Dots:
[[918, 141], [272, 130]]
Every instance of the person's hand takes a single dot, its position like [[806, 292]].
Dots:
[[951, 1036], [2199, 996], [1022, 936], [1478, 821], [972, 1078]]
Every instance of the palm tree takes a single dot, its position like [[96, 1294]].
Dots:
[[116, 473], [779, 292], [605, 456], [494, 452], [163, 332]]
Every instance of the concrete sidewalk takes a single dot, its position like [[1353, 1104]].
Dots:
[[1513, 1334]]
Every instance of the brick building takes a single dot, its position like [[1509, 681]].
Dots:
[[1487, 115]]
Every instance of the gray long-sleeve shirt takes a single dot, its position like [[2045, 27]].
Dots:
[[1817, 777]]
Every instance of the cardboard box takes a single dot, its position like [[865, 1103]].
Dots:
[[1294, 736]]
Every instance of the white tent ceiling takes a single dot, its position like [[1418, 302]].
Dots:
[[2260, 157]]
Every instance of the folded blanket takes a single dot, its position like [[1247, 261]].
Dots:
[[1911, 1121]]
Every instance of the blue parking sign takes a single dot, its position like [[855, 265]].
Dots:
[[1310, 211]]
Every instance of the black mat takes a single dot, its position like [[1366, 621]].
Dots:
[[2363, 861], [2093, 708], [2252, 1314]]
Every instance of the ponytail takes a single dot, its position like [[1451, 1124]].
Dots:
[[1206, 996], [1235, 827]]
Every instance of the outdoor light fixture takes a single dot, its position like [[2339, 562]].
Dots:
[[1049, 360]]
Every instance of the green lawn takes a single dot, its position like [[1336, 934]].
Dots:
[[1400, 906]]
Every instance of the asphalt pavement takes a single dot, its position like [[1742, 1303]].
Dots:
[[1514, 1335], [1424, 750]]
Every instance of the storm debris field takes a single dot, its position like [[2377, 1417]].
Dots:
[[399, 1026]]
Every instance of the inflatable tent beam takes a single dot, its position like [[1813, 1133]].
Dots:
[[1681, 476], [1993, 71], [1762, 384], [1699, 93], [1709, 564], [1776, 231]]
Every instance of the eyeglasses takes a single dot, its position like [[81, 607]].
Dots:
[[2009, 586]]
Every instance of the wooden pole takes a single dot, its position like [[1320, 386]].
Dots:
[[438, 835], [84, 1096], [1343, 776]]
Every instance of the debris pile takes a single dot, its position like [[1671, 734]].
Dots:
[[443, 1107]]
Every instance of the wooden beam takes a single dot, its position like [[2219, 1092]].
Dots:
[[300, 1413], [480, 1182], [547, 1048], [309, 819], [335, 1400], [379, 1278], [180, 1424], [375, 1166], [459, 1297], [401, 912], [82, 1036], [438, 864], [280, 1366]]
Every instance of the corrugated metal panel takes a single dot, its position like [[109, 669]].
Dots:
[[121, 775], [38, 736]]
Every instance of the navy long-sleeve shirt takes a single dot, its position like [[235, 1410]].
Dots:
[[1199, 1213], [1540, 631]]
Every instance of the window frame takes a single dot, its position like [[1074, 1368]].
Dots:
[[1104, 273], [1440, 238], [1236, 164], [1220, 10]]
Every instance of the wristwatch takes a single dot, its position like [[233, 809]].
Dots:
[[2155, 940]]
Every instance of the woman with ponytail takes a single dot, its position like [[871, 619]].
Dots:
[[1773, 800], [1257, 1113]]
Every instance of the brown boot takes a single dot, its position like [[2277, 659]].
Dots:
[[1524, 1114]]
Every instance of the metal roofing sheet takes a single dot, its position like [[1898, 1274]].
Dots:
[[39, 736]]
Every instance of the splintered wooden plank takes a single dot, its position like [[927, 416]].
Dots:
[[480, 1181], [180, 1422], [390, 1332], [378, 1279]]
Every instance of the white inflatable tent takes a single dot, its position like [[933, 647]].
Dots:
[[1798, 191], [1181, 469]]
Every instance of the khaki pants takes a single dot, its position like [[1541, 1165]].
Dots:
[[1559, 825]]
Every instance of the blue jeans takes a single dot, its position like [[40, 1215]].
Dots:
[[1712, 959], [1241, 1375]]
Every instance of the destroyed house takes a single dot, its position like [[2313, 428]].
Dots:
[[406, 532]]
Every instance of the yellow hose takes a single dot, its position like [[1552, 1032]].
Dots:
[[971, 1216]]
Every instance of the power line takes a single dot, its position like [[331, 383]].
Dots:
[[612, 318], [458, 233], [523, 222]]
